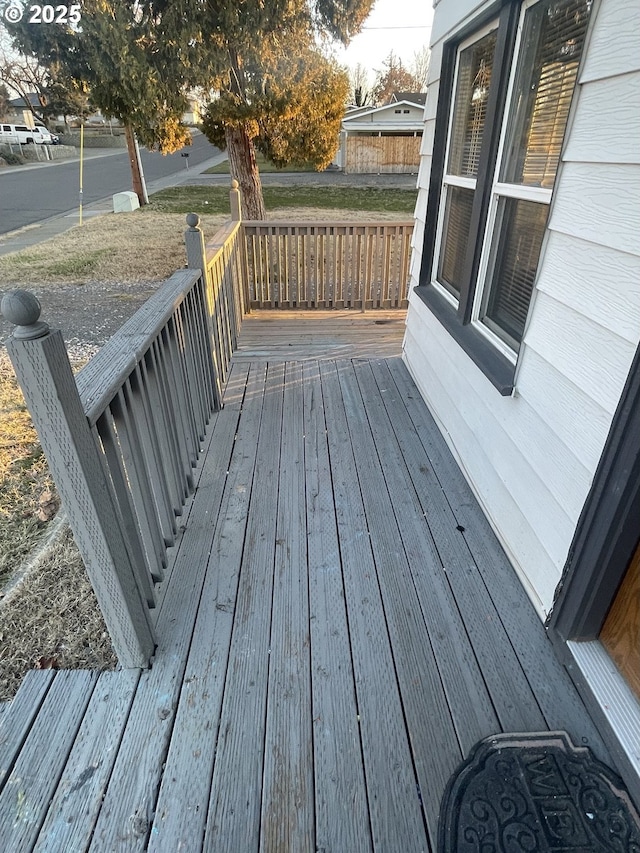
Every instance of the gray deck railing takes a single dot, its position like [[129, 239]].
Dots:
[[327, 265], [124, 437]]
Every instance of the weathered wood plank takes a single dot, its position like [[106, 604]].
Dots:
[[432, 735], [181, 809], [554, 692], [125, 818], [394, 805], [72, 814], [287, 820], [309, 335], [19, 715], [513, 699], [234, 808], [469, 702], [32, 782], [342, 822]]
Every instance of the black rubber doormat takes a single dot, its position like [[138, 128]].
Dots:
[[536, 792]]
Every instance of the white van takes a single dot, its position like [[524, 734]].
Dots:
[[24, 135]]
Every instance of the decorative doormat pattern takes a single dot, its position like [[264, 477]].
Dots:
[[536, 792]]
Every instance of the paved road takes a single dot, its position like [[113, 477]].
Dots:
[[29, 195]]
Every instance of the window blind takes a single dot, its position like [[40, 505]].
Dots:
[[470, 110]]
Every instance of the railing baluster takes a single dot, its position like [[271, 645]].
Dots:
[[143, 569], [147, 452], [123, 439], [328, 265], [43, 370]]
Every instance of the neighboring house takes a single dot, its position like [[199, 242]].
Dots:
[[523, 327], [193, 115], [380, 140], [20, 113]]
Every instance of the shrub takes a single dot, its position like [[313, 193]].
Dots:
[[11, 159]]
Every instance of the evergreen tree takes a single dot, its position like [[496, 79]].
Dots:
[[288, 107], [277, 92], [120, 53]]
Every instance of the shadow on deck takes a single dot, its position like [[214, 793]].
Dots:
[[341, 627]]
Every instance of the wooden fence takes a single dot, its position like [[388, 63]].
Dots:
[[123, 438], [327, 265], [382, 155]]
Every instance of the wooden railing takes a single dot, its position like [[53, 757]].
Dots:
[[327, 265], [124, 437]]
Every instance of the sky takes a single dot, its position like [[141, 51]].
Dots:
[[403, 26]]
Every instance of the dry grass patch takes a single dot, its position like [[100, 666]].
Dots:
[[137, 247], [27, 494], [51, 620], [116, 247]]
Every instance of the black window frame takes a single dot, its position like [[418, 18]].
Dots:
[[498, 368]]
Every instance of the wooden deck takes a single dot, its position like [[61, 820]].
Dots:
[[282, 335], [340, 628]]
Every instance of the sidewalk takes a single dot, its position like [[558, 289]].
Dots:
[[31, 235]]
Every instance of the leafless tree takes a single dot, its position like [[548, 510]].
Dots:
[[420, 68], [360, 86]]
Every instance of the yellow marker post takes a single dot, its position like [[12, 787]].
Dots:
[[81, 164]]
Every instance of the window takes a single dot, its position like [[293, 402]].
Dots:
[[508, 93]]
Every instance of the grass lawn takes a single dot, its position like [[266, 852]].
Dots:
[[214, 200], [265, 166], [24, 476]]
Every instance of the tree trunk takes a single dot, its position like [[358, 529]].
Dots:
[[243, 167], [137, 175]]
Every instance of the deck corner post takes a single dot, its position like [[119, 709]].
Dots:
[[235, 201], [40, 361], [194, 244]]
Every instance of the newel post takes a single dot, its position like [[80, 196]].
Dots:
[[39, 358], [197, 260], [235, 201], [194, 244]]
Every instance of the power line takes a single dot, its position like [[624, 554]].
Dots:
[[425, 27]]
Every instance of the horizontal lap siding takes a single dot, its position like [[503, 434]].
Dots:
[[531, 458]]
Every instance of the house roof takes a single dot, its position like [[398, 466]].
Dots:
[[384, 118], [413, 97], [20, 103], [361, 112]]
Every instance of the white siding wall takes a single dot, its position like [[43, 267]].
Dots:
[[531, 458]]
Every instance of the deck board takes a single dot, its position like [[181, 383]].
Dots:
[[287, 789], [282, 335], [330, 644], [393, 793], [559, 702], [342, 821], [34, 777], [234, 806], [130, 798], [469, 702], [75, 806]]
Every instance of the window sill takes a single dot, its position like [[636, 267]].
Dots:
[[495, 366]]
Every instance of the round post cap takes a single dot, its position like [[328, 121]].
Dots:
[[22, 309]]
